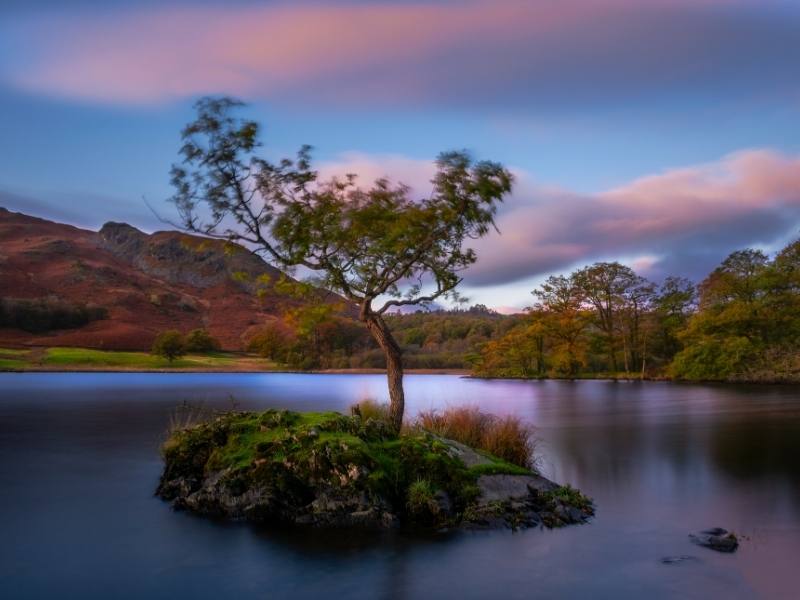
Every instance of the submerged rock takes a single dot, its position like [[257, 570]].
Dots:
[[717, 539], [329, 470], [674, 560]]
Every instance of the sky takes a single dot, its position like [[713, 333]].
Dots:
[[661, 133]]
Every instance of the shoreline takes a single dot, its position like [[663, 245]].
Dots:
[[464, 373], [60, 369]]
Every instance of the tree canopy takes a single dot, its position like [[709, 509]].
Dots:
[[742, 323], [376, 244]]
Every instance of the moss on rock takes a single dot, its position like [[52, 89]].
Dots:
[[327, 469]]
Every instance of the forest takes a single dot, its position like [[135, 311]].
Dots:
[[741, 323]]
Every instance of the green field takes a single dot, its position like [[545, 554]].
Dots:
[[68, 359], [13, 359]]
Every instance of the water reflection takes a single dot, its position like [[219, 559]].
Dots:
[[80, 460]]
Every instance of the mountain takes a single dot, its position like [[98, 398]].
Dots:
[[142, 283]]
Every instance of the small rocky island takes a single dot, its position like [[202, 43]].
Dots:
[[332, 470]]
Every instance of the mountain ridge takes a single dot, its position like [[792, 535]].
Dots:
[[147, 283]]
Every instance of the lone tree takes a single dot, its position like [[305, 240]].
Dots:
[[169, 344], [376, 246]]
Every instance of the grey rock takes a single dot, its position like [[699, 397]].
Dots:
[[511, 487], [464, 453], [717, 539]]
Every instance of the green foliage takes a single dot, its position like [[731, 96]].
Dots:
[[200, 340], [169, 344], [593, 321], [421, 503], [436, 339], [566, 494], [287, 448], [745, 326], [748, 323], [365, 243], [710, 358]]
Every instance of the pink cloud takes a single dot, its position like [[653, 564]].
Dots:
[[684, 219], [164, 53], [358, 53]]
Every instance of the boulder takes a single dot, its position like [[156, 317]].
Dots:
[[717, 539]]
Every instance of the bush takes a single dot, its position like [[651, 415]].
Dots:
[[465, 424], [713, 359], [199, 340], [507, 438], [510, 439], [421, 504], [169, 344]]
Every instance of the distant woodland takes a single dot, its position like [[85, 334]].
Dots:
[[741, 323]]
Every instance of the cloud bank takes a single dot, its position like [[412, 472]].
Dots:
[[463, 54], [682, 221]]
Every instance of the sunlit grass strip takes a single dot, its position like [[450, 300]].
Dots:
[[134, 360]]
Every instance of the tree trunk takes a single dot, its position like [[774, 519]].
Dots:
[[625, 353], [644, 354], [612, 353], [394, 365], [540, 356]]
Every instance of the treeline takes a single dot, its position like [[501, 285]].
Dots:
[[748, 323], [320, 337], [311, 336], [45, 314], [447, 339], [741, 323]]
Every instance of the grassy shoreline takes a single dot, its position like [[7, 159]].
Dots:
[[87, 360]]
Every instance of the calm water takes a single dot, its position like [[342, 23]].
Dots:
[[79, 462]]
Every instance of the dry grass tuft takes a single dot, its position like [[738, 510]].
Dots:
[[371, 409], [507, 438]]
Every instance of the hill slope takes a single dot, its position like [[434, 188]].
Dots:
[[146, 282]]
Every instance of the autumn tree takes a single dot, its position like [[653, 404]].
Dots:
[[563, 318], [607, 287], [518, 353], [376, 246], [637, 322]]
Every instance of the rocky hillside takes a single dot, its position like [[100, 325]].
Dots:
[[145, 282]]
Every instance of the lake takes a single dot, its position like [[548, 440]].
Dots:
[[79, 463]]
